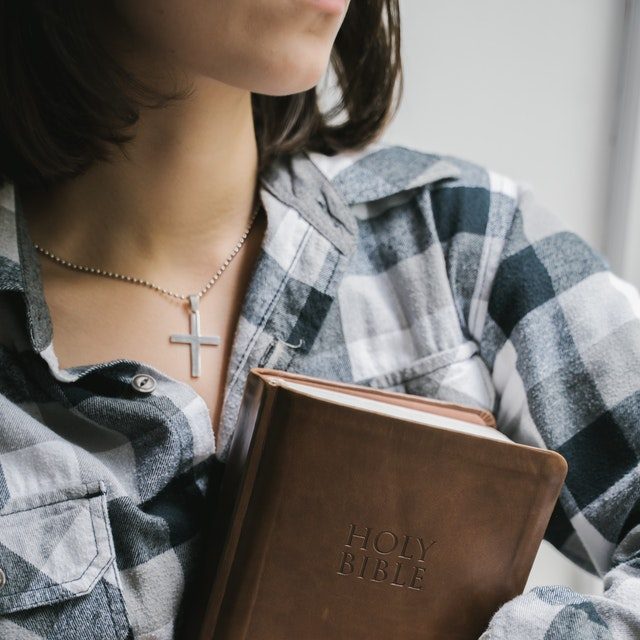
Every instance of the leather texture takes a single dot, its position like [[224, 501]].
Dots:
[[335, 523]]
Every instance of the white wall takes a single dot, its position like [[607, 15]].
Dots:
[[527, 88]]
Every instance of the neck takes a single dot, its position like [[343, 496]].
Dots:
[[175, 207]]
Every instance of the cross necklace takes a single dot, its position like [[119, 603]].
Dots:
[[193, 338]]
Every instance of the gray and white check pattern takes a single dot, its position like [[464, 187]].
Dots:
[[390, 267]]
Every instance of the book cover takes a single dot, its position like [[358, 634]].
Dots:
[[352, 512]]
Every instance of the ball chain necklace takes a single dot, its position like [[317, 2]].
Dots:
[[193, 338]]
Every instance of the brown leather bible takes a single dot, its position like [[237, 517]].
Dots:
[[352, 512]]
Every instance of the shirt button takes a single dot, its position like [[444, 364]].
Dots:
[[3, 578], [143, 382]]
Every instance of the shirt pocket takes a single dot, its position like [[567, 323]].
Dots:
[[456, 374], [59, 578]]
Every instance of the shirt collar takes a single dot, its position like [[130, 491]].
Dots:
[[321, 188], [380, 170]]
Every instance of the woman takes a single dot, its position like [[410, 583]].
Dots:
[[177, 209]]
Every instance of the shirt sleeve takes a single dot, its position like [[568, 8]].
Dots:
[[560, 334]]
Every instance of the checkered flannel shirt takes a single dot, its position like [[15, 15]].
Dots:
[[390, 267]]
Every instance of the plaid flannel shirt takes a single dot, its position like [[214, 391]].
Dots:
[[389, 267]]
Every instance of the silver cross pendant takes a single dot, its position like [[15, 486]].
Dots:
[[194, 339]]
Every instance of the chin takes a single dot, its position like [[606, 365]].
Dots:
[[291, 72], [281, 76]]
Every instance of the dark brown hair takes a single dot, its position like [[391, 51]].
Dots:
[[63, 100]]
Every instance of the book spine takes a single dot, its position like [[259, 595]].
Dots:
[[238, 479]]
